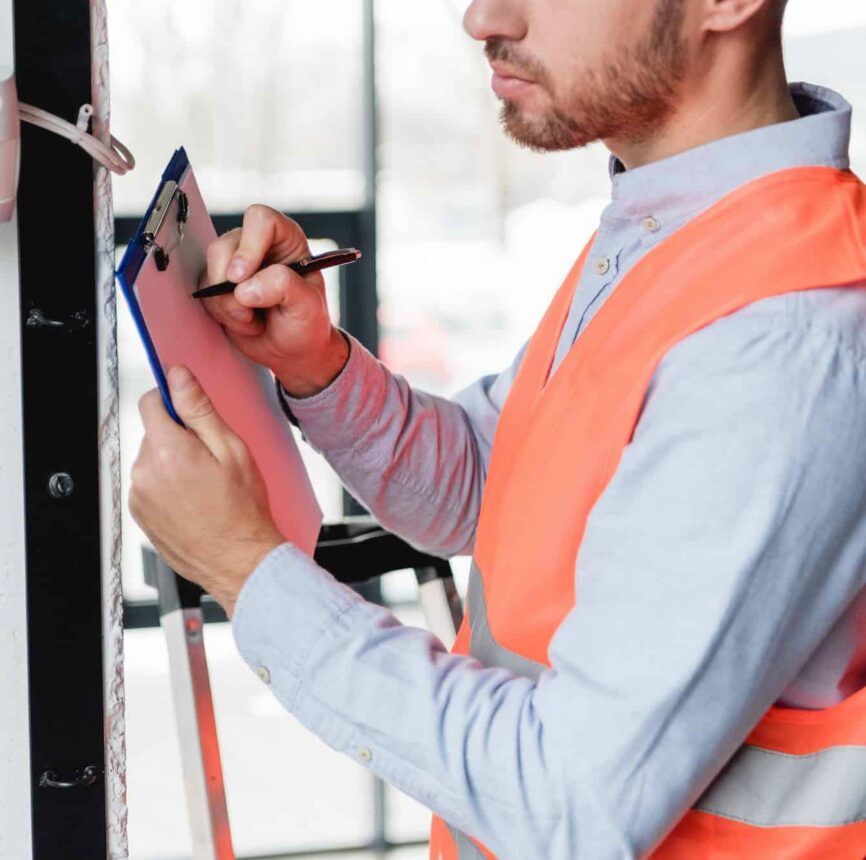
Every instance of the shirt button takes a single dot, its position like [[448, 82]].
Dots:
[[602, 266], [365, 755], [651, 225], [263, 675]]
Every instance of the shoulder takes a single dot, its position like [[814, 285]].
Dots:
[[781, 333], [789, 370]]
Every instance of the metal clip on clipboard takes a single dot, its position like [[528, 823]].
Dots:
[[170, 191]]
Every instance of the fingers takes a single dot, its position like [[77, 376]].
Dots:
[[225, 309], [153, 413], [197, 412], [219, 255], [267, 235]]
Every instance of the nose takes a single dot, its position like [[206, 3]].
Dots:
[[490, 19]]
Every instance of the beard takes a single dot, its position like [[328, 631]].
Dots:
[[627, 98]]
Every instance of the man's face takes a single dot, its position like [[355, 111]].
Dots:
[[570, 72]]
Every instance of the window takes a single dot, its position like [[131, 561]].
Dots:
[[265, 94]]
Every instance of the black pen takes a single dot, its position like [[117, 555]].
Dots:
[[303, 267]]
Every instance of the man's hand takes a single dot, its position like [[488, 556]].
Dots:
[[198, 494], [275, 317]]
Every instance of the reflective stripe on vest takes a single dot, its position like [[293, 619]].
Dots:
[[797, 787], [466, 848], [484, 647], [761, 787]]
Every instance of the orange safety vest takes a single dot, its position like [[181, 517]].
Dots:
[[797, 786]]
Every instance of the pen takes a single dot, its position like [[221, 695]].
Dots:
[[303, 267]]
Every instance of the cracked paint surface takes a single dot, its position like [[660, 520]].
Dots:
[[110, 464]]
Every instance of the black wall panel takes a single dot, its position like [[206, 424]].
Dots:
[[60, 372]]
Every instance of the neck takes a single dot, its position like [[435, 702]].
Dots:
[[727, 93]]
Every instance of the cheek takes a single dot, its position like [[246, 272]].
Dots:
[[576, 39]]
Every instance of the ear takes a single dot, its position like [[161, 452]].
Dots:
[[722, 16]]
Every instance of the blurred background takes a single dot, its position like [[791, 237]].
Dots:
[[376, 125]]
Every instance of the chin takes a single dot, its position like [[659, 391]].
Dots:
[[540, 131]]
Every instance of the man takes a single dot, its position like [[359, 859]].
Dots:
[[669, 528]]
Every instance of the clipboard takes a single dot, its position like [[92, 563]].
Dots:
[[158, 274]]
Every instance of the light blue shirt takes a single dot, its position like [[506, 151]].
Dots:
[[721, 571]]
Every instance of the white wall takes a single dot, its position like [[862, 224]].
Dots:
[[15, 841]]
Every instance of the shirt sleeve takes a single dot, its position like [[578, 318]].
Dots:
[[416, 461], [727, 545]]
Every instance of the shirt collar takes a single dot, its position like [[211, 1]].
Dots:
[[677, 188]]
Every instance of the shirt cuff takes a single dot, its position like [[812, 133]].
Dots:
[[340, 416], [282, 611]]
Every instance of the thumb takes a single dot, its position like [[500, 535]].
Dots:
[[270, 287], [196, 410]]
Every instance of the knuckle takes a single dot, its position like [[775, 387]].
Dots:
[[258, 212], [218, 254], [199, 408], [194, 403], [302, 243], [230, 237], [164, 455]]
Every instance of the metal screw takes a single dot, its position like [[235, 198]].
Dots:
[[61, 485]]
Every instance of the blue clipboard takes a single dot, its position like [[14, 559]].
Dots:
[[158, 275], [133, 259]]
